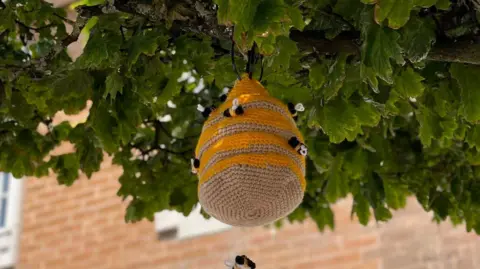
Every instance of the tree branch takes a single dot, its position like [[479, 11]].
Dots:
[[458, 52], [202, 19], [308, 40]]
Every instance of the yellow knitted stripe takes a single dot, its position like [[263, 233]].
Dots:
[[256, 160], [255, 104], [243, 128], [245, 99], [247, 140], [253, 116]]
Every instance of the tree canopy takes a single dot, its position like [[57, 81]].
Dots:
[[391, 91]]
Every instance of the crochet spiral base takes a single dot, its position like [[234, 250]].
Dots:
[[244, 195], [249, 175]]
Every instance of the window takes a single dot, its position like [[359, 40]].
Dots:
[[173, 225], [10, 207], [4, 199]]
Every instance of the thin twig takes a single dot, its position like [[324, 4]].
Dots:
[[63, 18], [168, 133], [121, 31], [33, 28], [146, 152]]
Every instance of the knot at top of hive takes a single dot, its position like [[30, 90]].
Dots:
[[247, 86]]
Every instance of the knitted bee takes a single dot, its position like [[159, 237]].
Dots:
[[250, 157], [241, 262]]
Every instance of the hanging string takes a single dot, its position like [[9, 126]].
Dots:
[[239, 244], [251, 61], [261, 70], [232, 54]]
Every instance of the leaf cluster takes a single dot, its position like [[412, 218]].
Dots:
[[383, 121]]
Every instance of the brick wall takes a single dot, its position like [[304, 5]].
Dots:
[[82, 227]]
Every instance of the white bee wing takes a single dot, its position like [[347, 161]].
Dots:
[[229, 264]]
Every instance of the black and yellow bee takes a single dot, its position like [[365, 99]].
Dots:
[[242, 262]]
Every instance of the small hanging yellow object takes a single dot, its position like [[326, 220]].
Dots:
[[250, 158]]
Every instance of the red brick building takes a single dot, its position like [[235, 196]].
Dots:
[[44, 225], [82, 227]]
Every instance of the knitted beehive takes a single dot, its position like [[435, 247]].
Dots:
[[250, 158]]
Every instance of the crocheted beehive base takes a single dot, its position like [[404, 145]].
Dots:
[[249, 174], [244, 195]]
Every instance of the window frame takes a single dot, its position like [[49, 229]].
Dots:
[[13, 221], [172, 225]]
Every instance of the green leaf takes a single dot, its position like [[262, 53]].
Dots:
[[85, 33], [223, 11], [103, 124], [335, 77], [467, 77], [296, 17], [369, 76], [445, 100], [429, 126], [71, 91], [396, 11], [337, 184], [323, 217], [285, 87], [317, 75], [113, 85], [417, 38], [87, 3], [7, 19], [66, 167], [367, 114], [286, 48], [409, 84], [382, 214], [222, 72], [395, 195], [268, 14], [356, 163], [171, 89], [62, 130], [102, 50], [242, 13], [425, 3], [362, 209], [200, 53], [341, 120], [87, 147], [353, 80], [131, 213], [18, 169], [473, 137], [337, 119], [145, 43], [379, 47], [331, 24], [348, 9], [19, 108], [318, 4], [443, 4]]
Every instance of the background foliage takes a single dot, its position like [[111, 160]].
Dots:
[[391, 91]]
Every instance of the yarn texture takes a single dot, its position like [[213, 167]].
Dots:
[[249, 175]]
